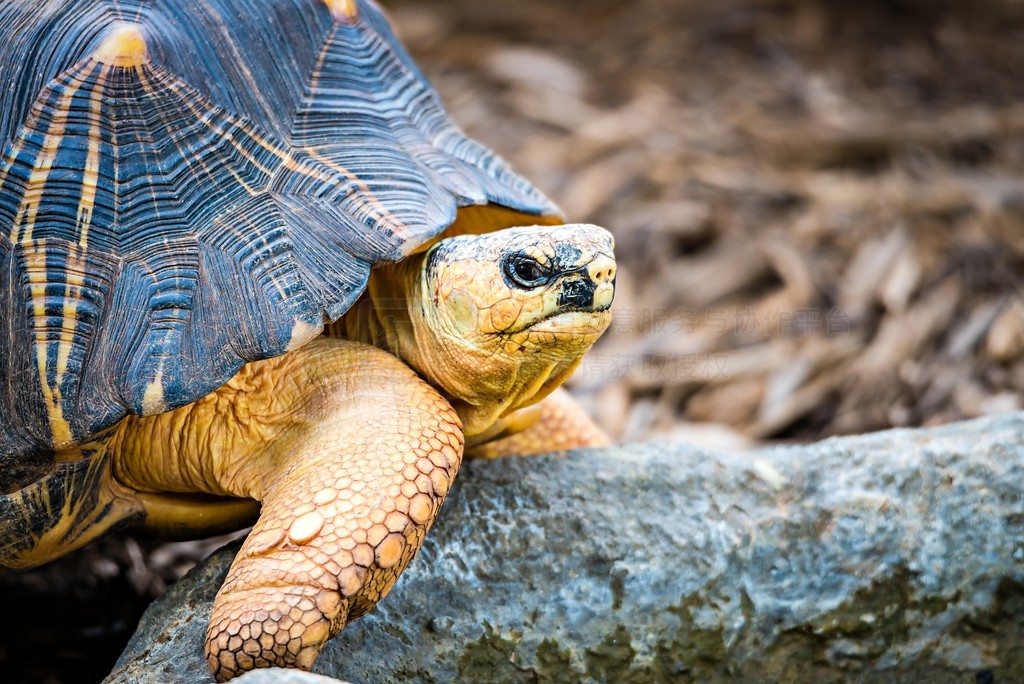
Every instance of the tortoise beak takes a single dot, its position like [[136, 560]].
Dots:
[[591, 288]]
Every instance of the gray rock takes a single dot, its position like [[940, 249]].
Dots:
[[891, 557]]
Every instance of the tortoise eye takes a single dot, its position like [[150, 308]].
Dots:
[[524, 271]]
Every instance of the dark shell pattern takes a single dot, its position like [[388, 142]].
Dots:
[[189, 185]]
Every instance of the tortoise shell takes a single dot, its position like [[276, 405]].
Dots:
[[190, 185]]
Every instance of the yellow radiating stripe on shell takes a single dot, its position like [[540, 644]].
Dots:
[[36, 267], [27, 212], [91, 174], [44, 163], [370, 202], [74, 276], [205, 119], [75, 272], [147, 85]]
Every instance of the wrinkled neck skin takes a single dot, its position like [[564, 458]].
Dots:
[[401, 315]]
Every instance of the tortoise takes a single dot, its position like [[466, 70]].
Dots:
[[251, 270]]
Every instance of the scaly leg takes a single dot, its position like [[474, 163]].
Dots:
[[341, 518], [351, 455], [555, 424]]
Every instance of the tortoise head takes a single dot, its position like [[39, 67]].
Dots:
[[522, 291], [502, 319]]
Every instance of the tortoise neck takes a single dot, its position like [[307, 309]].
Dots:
[[382, 316], [399, 314]]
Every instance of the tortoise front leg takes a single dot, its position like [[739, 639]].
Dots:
[[351, 455], [344, 511], [555, 424]]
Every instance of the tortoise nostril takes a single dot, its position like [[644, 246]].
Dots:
[[602, 270]]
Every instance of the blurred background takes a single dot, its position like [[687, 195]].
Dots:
[[819, 209], [819, 206]]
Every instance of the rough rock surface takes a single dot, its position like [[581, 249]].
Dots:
[[890, 557]]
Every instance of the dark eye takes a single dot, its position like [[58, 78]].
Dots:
[[525, 271]]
